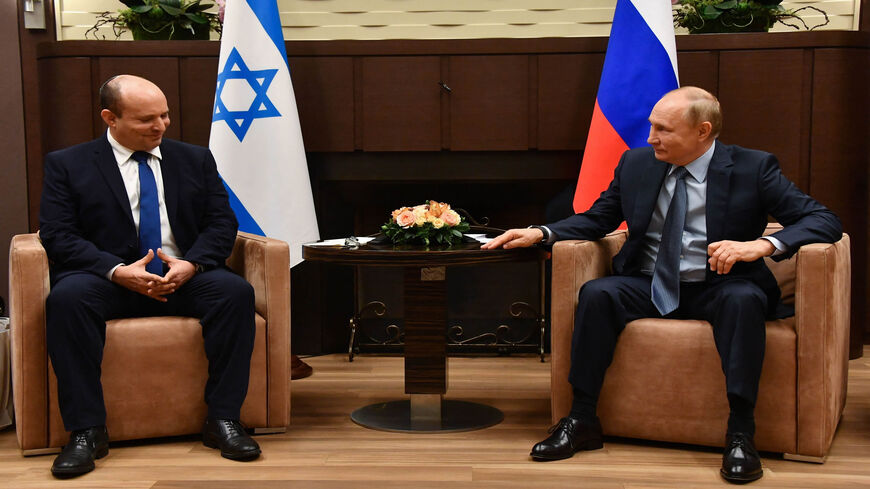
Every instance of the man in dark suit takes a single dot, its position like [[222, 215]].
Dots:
[[695, 210], [138, 225]]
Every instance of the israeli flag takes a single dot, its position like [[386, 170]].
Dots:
[[255, 135]]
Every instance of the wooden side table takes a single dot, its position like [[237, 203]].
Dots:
[[425, 290]]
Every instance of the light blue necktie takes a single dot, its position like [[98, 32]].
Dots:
[[149, 214], [666, 276]]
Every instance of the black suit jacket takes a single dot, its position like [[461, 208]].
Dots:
[[744, 186], [85, 219]]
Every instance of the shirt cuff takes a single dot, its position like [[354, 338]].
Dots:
[[780, 248], [112, 271]]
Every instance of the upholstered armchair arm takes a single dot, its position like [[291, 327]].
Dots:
[[265, 264], [574, 264], [28, 289], [822, 303]]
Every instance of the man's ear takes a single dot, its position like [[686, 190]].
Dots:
[[705, 129], [108, 117]]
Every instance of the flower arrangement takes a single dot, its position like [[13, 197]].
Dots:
[[706, 16], [160, 19], [429, 223]]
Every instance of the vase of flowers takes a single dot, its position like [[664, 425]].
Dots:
[[709, 16], [160, 20], [432, 223]]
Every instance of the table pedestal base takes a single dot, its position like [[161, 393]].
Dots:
[[427, 414]]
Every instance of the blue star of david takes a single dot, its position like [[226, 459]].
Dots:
[[261, 107]]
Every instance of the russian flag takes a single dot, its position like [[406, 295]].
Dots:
[[640, 66]]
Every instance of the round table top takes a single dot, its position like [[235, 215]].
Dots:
[[418, 255]]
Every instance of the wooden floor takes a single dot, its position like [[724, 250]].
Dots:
[[323, 448]]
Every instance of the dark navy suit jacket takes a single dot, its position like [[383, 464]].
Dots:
[[744, 186], [85, 219]]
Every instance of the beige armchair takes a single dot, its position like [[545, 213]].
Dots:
[[666, 383], [153, 368]]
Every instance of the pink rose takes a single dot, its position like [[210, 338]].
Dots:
[[451, 218], [406, 218]]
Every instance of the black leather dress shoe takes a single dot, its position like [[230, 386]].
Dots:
[[740, 463], [568, 436], [78, 456], [231, 438]]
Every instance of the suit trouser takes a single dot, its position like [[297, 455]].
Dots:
[[79, 305], [736, 308]]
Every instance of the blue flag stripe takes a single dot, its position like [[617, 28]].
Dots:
[[247, 223], [637, 72], [267, 14]]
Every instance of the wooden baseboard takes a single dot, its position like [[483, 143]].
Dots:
[[40, 451], [804, 458]]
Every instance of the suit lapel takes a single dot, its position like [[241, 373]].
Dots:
[[654, 172], [108, 167], [170, 183], [718, 191]]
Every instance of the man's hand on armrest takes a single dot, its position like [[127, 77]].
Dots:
[[515, 238], [724, 254]]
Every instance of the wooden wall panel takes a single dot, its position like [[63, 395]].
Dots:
[[489, 103], [68, 101], [567, 87], [401, 103], [840, 158], [324, 98], [197, 89], [699, 69], [163, 71], [759, 110]]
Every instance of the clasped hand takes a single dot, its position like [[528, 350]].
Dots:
[[136, 278]]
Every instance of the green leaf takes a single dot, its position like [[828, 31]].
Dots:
[[711, 12], [141, 9], [171, 10], [133, 3], [726, 5], [456, 233], [199, 19], [199, 7]]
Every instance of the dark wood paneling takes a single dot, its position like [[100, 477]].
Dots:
[[324, 98], [13, 166], [68, 101], [567, 87], [401, 103], [425, 330], [197, 75], [840, 158], [761, 111], [489, 103], [699, 69], [163, 71]]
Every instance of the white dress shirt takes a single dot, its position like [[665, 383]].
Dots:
[[130, 173]]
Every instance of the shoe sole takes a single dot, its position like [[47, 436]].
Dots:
[[741, 480], [72, 472], [589, 445], [238, 457]]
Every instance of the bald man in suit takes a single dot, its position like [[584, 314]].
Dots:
[[135, 224]]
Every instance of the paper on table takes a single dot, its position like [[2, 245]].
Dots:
[[338, 241], [480, 237]]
